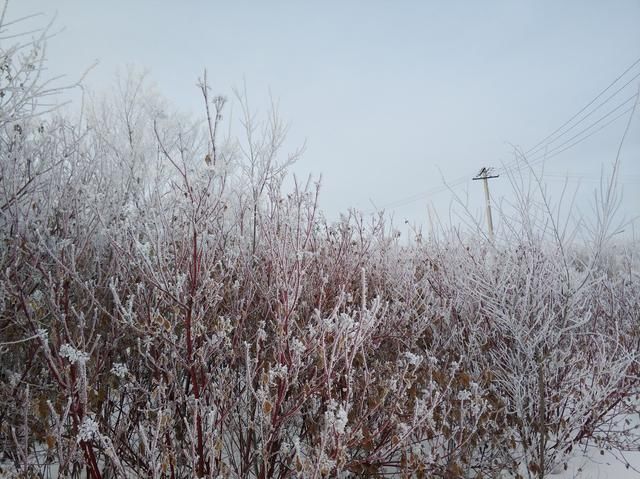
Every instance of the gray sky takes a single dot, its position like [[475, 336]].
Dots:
[[390, 96]]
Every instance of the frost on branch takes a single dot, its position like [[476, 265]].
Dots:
[[88, 430], [167, 316], [73, 355], [119, 370]]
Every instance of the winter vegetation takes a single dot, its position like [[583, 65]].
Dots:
[[169, 310]]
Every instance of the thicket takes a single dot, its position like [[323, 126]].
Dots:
[[167, 310]]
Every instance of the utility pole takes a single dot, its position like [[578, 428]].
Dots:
[[485, 175]]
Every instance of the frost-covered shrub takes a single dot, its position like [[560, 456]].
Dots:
[[167, 310]]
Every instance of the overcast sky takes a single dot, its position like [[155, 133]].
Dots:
[[390, 96]]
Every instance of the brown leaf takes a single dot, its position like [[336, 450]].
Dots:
[[51, 441]]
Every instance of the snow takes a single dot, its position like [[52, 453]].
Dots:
[[594, 465]]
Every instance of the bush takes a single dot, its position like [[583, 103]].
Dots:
[[168, 311]]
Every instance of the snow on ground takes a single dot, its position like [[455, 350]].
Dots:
[[594, 465], [590, 465]]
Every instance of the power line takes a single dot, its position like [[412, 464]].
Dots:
[[425, 194], [633, 177], [589, 179], [588, 104], [535, 150], [517, 165], [544, 143]]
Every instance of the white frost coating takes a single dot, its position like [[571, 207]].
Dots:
[[88, 430], [72, 354], [120, 370], [261, 334], [278, 371], [336, 416], [464, 395], [297, 346], [413, 359], [341, 420], [43, 334]]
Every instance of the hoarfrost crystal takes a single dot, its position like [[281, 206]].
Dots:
[[72, 354]]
